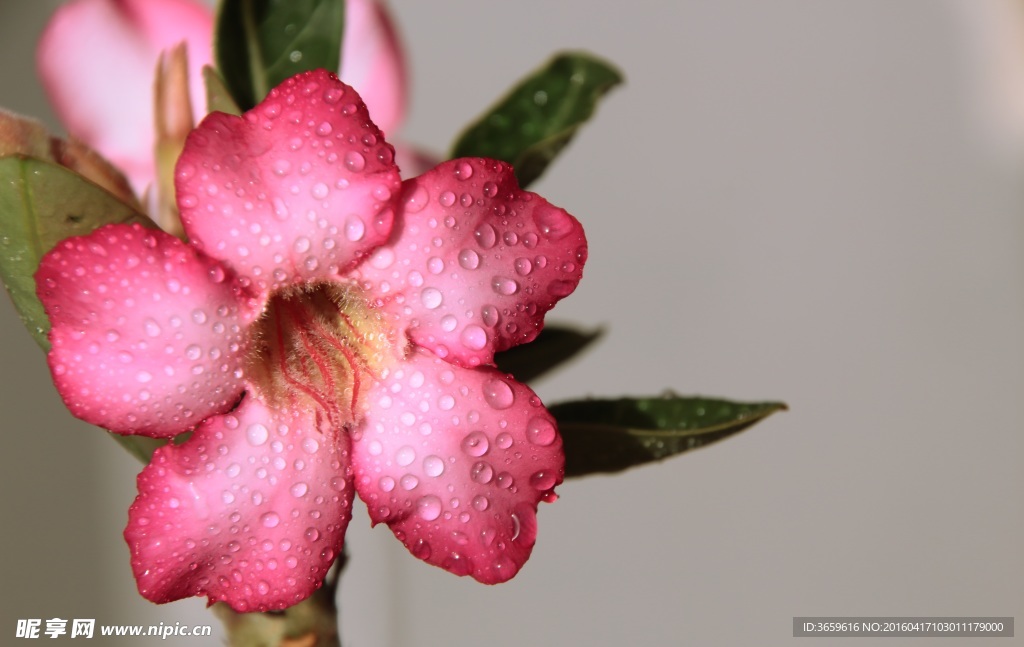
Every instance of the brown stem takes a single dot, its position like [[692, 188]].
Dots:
[[310, 623]]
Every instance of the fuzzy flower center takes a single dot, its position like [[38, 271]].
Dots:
[[319, 345]]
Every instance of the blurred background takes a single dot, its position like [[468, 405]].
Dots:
[[818, 202]]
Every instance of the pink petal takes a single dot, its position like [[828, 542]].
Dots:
[[455, 460], [148, 335], [298, 189], [97, 60], [251, 510], [372, 61], [477, 261]]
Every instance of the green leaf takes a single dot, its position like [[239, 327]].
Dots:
[[218, 97], [40, 205], [554, 345], [612, 435], [539, 116], [260, 43]]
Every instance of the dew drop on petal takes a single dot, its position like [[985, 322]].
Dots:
[[474, 337], [354, 161], [469, 260], [429, 507], [481, 503], [405, 456], [431, 298], [504, 286], [299, 490], [270, 520], [481, 472], [475, 444], [485, 235], [543, 480], [498, 394], [433, 466], [256, 434], [540, 431], [355, 229]]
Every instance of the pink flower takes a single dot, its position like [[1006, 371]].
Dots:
[[328, 330], [97, 60]]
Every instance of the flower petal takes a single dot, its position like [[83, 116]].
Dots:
[[297, 189], [96, 59], [372, 61], [251, 510], [455, 460], [477, 261], [148, 335]]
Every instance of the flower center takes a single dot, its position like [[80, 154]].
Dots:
[[317, 345]]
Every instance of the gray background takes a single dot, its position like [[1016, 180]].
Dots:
[[788, 200]]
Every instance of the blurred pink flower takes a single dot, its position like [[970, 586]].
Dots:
[[97, 60], [327, 330]]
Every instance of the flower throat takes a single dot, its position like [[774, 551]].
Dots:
[[318, 345]]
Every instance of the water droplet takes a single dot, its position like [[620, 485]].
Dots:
[[270, 520], [433, 466], [257, 434], [310, 445], [431, 298], [198, 317], [354, 161], [311, 534], [504, 440], [446, 199], [481, 503], [523, 266], [299, 490], [485, 235], [324, 129], [301, 245], [469, 259], [416, 200], [319, 191], [151, 327], [386, 483], [429, 507], [475, 444], [409, 482], [540, 431], [481, 472], [553, 222], [143, 376], [473, 337], [449, 323], [489, 315], [193, 352], [504, 285], [498, 394], [405, 456], [355, 229], [435, 265], [463, 170], [561, 288], [543, 480]]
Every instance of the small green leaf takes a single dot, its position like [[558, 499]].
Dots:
[[260, 43], [40, 205], [612, 435], [539, 116], [218, 98], [554, 345]]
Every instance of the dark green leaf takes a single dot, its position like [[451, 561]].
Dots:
[[539, 116], [260, 43], [554, 345], [612, 435], [40, 205]]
